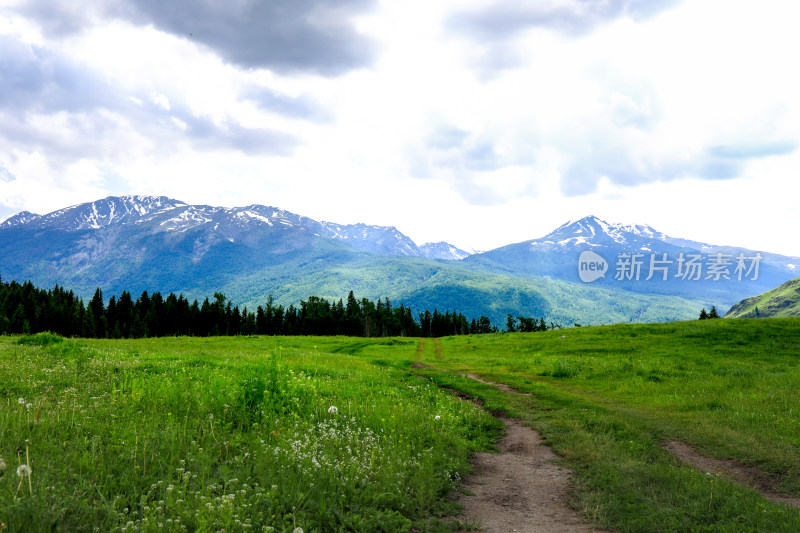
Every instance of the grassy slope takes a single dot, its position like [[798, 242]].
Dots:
[[782, 301], [446, 286], [605, 398]]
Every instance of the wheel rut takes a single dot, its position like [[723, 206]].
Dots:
[[522, 488], [742, 474]]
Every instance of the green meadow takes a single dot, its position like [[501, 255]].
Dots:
[[320, 434], [233, 434]]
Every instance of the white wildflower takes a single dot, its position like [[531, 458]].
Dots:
[[297, 530], [21, 401], [28, 406], [437, 417], [332, 410], [24, 470]]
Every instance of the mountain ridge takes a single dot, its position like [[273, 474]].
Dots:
[[160, 244], [114, 210]]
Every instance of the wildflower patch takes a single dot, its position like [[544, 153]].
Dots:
[[223, 434]]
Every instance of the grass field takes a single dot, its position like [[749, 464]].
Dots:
[[234, 434], [339, 434], [606, 398]]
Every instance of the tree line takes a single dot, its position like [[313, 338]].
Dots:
[[523, 324], [709, 315], [25, 309]]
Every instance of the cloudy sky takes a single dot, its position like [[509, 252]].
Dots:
[[478, 122]]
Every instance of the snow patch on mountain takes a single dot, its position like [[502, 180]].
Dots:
[[443, 250], [643, 230], [379, 239], [250, 215], [188, 218]]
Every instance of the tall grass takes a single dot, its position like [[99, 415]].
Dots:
[[223, 434]]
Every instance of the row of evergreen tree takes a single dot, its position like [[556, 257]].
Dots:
[[709, 315], [27, 309]]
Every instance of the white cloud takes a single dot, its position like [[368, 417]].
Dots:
[[161, 101], [673, 116], [53, 188]]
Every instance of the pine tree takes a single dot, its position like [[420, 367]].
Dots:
[[713, 313], [261, 321], [111, 319], [98, 314], [138, 327], [511, 324], [425, 322], [19, 322], [526, 324], [248, 322], [125, 314], [484, 325], [155, 317], [703, 314], [88, 330], [352, 317]]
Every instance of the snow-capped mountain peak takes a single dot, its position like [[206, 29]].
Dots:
[[23, 217], [584, 231], [156, 214], [108, 211], [594, 231]]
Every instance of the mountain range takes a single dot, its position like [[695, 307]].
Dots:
[[155, 243], [556, 256], [175, 216]]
